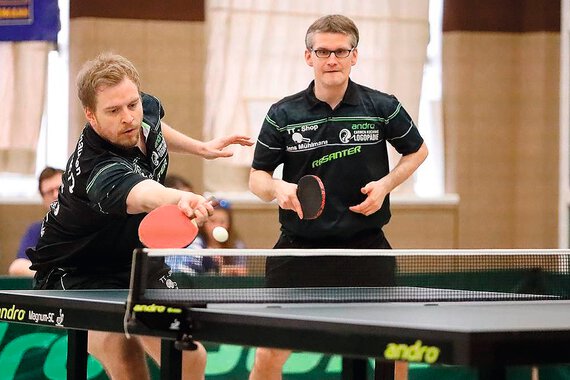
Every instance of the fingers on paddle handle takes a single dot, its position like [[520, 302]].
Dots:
[[213, 201]]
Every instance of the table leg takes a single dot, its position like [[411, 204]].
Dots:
[[493, 373], [170, 361], [354, 369], [384, 370], [76, 354]]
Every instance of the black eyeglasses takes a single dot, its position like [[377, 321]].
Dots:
[[340, 53]]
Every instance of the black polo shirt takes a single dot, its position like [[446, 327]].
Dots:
[[88, 228], [345, 147]]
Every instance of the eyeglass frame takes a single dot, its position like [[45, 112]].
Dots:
[[332, 52]]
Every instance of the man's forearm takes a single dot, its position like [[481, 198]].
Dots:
[[147, 195], [405, 168], [179, 142], [261, 183]]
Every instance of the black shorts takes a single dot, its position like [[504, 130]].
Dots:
[[326, 271], [71, 278]]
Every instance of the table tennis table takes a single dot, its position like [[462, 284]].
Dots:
[[487, 335]]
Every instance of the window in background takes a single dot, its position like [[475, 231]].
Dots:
[[429, 179]]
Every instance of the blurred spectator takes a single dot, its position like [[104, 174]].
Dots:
[[48, 184], [225, 265]]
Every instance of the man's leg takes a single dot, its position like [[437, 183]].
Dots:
[[193, 362], [401, 370], [268, 364], [122, 358]]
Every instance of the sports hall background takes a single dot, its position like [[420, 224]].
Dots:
[[501, 65]]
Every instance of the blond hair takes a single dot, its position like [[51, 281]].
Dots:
[[332, 24], [107, 69]]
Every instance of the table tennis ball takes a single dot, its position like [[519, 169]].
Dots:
[[220, 234]]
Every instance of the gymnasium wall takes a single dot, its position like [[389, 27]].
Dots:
[[501, 102]]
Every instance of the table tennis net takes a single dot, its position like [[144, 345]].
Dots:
[[239, 276]]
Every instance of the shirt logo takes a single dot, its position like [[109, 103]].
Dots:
[[344, 136], [298, 138], [304, 143], [340, 154], [359, 135]]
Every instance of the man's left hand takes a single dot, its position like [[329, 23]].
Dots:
[[215, 148], [375, 193]]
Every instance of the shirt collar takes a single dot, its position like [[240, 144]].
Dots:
[[350, 96], [99, 141]]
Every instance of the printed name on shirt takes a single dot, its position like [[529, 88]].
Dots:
[[336, 155]]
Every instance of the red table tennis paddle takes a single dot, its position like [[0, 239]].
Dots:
[[168, 227], [311, 195]]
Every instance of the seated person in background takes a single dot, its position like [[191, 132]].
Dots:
[[49, 182], [230, 265], [225, 265]]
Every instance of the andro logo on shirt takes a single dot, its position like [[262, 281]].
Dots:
[[362, 126], [336, 155]]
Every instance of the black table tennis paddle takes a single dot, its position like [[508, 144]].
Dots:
[[311, 195]]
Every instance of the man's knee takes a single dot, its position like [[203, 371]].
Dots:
[[196, 359], [118, 354], [271, 357]]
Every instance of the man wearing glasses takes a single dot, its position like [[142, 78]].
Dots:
[[335, 129]]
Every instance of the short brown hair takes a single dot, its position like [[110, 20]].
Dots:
[[48, 172], [332, 24], [107, 69]]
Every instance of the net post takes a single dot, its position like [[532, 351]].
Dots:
[[137, 285], [139, 271]]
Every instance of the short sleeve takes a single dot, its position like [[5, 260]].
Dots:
[[400, 130], [269, 149], [110, 184]]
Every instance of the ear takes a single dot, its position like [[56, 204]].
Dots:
[[354, 57], [90, 116], [309, 57]]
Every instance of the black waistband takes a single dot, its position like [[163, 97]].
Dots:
[[371, 239]]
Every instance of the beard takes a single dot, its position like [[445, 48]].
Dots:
[[130, 138]]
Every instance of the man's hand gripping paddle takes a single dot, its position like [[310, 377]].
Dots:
[[311, 195]]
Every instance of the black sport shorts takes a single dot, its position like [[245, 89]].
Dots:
[[69, 278], [323, 271]]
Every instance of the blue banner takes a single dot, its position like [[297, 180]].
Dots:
[[29, 20]]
